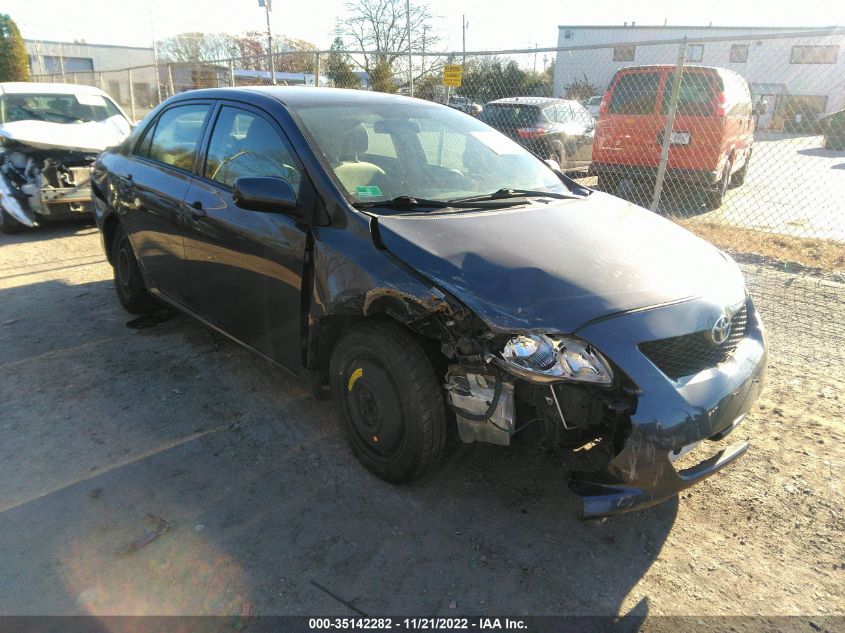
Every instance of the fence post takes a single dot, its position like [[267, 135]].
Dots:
[[670, 123], [131, 97], [317, 70], [100, 81], [232, 73], [170, 79]]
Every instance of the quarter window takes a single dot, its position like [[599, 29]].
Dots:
[[245, 144], [176, 136]]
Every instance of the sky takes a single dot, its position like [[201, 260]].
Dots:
[[492, 24]]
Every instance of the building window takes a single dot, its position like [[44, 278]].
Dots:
[[695, 53], [739, 53], [814, 54], [624, 53]]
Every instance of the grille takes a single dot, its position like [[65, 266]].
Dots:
[[691, 353]]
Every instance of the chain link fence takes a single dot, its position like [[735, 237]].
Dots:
[[740, 139]]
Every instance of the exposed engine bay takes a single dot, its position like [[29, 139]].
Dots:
[[44, 184]]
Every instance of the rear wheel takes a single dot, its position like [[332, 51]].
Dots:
[[392, 409], [128, 282], [739, 177], [8, 224], [715, 197], [608, 182]]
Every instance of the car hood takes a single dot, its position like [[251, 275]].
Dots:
[[91, 136], [557, 266]]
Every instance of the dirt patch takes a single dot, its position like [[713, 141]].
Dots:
[[103, 426], [816, 254]]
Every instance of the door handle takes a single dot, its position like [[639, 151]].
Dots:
[[197, 212]]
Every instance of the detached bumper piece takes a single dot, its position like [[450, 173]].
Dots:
[[641, 476]]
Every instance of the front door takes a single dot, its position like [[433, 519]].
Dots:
[[245, 267]]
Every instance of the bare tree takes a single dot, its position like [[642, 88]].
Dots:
[[378, 28]]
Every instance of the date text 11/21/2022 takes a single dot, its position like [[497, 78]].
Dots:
[[418, 624]]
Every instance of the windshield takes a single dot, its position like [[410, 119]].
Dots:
[[57, 108], [382, 151]]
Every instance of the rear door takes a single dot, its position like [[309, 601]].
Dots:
[[698, 135], [152, 190], [246, 267], [626, 134]]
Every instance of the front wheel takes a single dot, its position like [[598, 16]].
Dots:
[[739, 177], [128, 282], [392, 409]]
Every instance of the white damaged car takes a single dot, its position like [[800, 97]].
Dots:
[[50, 135]]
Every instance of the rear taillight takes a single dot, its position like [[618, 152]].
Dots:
[[532, 131], [719, 104], [605, 100]]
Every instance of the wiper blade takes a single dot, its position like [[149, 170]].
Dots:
[[504, 194], [412, 202]]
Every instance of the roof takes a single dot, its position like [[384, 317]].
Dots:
[[36, 42], [302, 95], [532, 101], [671, 27], [30, 87]]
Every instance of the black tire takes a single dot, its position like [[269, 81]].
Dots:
[[739, 177], [608, 182], [128, 282], [715, 197], [8, 224], [392, 409]]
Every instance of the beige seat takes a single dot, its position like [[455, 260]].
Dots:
[[351, 171]]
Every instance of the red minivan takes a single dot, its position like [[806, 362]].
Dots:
[[711, 138]]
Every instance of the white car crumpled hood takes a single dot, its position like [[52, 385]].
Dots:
[[91, 136]]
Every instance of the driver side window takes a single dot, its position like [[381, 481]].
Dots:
[[245, 144]]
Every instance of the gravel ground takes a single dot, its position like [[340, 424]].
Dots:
[[110, 437]]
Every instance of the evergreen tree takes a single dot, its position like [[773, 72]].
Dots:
[[14, 62]]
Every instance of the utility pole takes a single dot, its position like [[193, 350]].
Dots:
[[155, 54], [463, 39], [267, 9], [410, 56]]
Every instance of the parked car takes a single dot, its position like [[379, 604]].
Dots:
[[436, 278], [464, 104], [712, 137], [833, 128], [49, 137], [592, 105], [552, 128]]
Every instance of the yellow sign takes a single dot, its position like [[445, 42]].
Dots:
[[452, 75]]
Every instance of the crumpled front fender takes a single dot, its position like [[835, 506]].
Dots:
[[12, 206]]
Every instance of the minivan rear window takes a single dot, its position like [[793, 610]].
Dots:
[[635, 93], [695, 97]]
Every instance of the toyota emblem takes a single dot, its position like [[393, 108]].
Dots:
[[721, 330]]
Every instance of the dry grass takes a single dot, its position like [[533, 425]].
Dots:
[[826, 255]]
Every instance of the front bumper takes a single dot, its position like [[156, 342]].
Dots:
[[670, 414]]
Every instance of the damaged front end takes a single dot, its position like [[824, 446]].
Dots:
[[568, 394], [43, 184]]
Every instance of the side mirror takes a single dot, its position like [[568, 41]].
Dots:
[[265, 193]]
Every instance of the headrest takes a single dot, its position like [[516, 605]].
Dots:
[[355, 139]]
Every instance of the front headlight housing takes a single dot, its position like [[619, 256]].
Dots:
[[544, 358]]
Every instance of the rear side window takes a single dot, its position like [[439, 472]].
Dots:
[[510, 115], [176, 136], [635, 93], [695, 97]]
